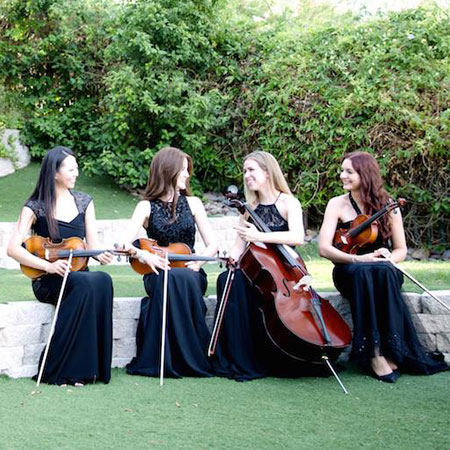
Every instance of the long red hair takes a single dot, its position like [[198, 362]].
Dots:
[[373, 194]]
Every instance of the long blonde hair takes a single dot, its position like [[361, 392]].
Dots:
[[276, 178]]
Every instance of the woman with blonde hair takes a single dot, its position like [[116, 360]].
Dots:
[[245, 352], [170, 214]]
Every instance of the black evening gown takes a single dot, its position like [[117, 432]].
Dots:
[[187, 335], [381, 319], [81, 346], [244, 350]]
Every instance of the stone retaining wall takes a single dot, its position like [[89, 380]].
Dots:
[[24, 328], [113, 231]]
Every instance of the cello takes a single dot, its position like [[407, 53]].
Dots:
[[297, 320]]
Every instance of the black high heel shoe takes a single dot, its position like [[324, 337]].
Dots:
[[389, 378]]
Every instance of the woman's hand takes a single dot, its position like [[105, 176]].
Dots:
[[105, 258], [248, 232], [153, 260], [382, 253], [194, 265], [379, 255], [58, 267]]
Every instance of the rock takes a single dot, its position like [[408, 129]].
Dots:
[[446, 255], [420, 253], [11, 141], [310, 235]]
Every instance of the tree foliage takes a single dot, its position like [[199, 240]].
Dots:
[[117, 81]]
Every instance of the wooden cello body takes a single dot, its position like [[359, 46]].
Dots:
[[297, 320]]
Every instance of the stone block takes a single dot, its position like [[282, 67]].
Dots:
[[45, 332], [447, 358], [33, 312], [124, 348], [120, 362], [127, 308], [428, 340], [436, 323], [32, 353], [443, 342], [413, 302], [210, 303], [18, 335], [432, 306], [124, 328], [22, 371], [11, 357]]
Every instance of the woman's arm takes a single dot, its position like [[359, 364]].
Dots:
[[326, 235], [140, 215], [205, 230], [399, 248], [90, 223], [23, 256]]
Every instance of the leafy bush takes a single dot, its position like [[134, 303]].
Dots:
[[116, 82]]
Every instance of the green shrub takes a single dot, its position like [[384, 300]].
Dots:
[[116, 82]]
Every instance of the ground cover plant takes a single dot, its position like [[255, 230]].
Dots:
[[435, 275], [135, 412]]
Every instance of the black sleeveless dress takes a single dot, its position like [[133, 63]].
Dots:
[[187, 335], [244, 351], [380, 316], [81, 347]]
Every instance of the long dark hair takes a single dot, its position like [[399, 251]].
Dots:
[[45, 190], [164, 170], [373, 194]]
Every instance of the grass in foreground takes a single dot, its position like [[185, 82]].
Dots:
[[434, 275], [306, 413], [111, 202]]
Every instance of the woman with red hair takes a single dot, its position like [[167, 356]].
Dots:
[[384, 338]]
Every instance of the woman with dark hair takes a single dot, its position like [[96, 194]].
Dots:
[[170, 214], [245, 351], [384, 339], [81, 346]]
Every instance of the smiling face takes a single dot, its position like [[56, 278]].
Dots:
[[255, 177], [183, 176], [350, 178], [67, 174]]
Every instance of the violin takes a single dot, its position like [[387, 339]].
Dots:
[[44, 248], [298, 321], [363, 230], [178, 254]]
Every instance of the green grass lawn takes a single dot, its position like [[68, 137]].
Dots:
[[127, 283], [193, 413], [111, 202]]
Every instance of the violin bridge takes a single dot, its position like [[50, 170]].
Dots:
[[344, 240]]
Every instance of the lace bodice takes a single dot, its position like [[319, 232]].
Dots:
[[74, 228], [165, 231], [272, 217]]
